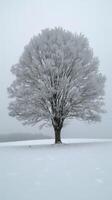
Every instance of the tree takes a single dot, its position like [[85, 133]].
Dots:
[[57, 78]]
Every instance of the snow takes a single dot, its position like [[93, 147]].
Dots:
[[32, 170]]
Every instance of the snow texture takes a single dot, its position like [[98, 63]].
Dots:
[[80, 170]]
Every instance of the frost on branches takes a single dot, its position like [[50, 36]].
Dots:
[[57, 78]]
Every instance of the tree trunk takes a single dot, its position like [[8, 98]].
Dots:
[[57, 136]]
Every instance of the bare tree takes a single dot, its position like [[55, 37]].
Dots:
[[57, 78]]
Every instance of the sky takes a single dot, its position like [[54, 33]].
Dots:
[[20, 20]]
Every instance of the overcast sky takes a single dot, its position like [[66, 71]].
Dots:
[[21, 19]]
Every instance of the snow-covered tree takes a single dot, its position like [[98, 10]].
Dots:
[[57, 78]]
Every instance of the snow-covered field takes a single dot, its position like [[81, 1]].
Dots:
[[34, 170]]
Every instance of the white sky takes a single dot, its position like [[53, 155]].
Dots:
[[20, 20]]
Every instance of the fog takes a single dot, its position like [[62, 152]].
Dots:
[[20, 20]]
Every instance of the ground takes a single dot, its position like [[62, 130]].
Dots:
[[81, 170]]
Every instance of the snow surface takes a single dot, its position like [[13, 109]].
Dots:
[[39, 170]]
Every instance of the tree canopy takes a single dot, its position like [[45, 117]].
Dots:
[[57, 78]]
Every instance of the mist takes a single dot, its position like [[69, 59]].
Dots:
[[20, 20]]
